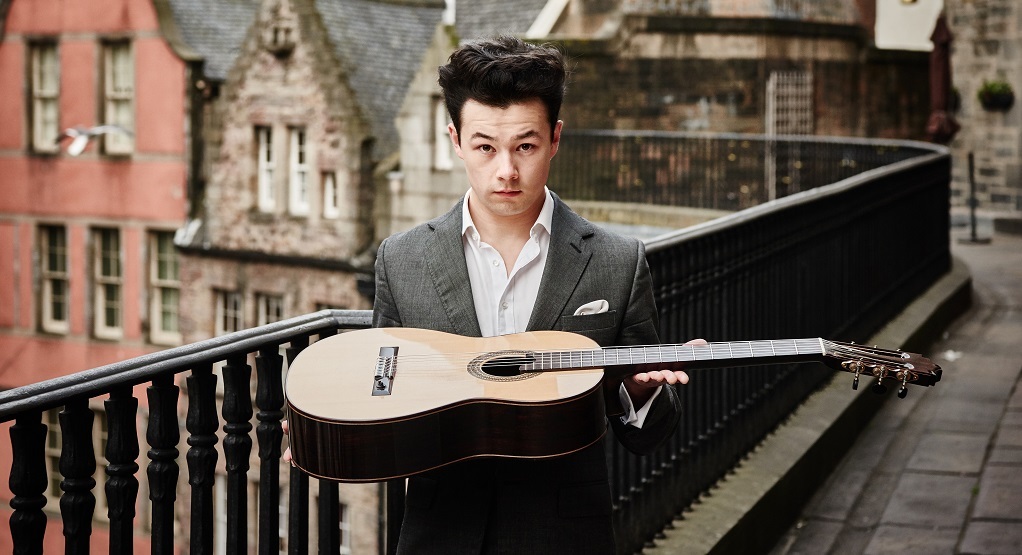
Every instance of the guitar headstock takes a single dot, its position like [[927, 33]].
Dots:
[[886, 365]]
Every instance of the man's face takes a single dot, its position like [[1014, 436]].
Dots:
[[507, 153]]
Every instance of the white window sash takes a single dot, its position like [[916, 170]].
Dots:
[[119, 92], [331, 196], [107, 287], [54, 279], [265, 166], [299, 174], [45, 98], [164, 290]]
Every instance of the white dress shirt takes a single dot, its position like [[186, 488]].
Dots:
[[504, 300]]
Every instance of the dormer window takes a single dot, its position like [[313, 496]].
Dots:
[[279, 33]]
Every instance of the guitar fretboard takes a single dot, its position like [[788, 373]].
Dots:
[[735, 353]]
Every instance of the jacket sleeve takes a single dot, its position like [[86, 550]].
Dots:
[[639, 327], [385, 314]]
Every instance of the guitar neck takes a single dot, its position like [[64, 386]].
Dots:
[[711, 355]]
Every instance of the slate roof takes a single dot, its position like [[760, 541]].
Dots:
[[483, 19], [215, 29], [380, 43]]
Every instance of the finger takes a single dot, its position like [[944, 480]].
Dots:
[[682, 377], [283, 425]]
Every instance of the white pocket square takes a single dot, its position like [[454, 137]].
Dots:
[[594, 307]]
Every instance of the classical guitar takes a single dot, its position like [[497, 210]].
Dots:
[[382, 403]]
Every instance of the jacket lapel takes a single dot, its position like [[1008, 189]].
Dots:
[[445, 260], [566, 260]]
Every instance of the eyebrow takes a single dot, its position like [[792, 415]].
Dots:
[[527, 135]]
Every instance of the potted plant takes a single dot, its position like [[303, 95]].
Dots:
[[996, 95]]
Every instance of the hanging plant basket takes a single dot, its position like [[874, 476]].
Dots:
[[996, 96]]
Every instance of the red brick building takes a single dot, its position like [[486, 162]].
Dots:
[[88, 270]]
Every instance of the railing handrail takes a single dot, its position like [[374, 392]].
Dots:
[[661, 242], [90, 383], [714, 135]]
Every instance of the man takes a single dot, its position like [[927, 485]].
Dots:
[[511, 257]]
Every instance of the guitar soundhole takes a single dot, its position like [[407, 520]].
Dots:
[[502, 366]]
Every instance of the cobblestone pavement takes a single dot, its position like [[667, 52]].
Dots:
[[939, 471]]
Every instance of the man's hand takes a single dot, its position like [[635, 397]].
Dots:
[[641, 386], [287, 452]]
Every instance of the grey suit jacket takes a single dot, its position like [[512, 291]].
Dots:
[[560, 505]]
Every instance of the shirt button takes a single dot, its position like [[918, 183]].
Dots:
[[503, 306], [496, 263]]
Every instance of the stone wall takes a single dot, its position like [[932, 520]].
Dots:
[[681, 76], [987, 46]]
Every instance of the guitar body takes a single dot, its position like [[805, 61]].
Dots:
[[447, 398]]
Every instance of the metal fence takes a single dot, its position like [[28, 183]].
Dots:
[[835, 261]]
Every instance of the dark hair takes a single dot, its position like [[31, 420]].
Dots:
[[503, 71]]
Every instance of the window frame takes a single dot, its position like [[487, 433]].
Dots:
[[299, 203], [118, 95], [266, 166], [44, 100], [269, 308], [104, 284], [331, 195], [223, 298], [49, 276], [160, 285]]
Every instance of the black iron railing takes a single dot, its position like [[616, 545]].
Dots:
[[836, 261]]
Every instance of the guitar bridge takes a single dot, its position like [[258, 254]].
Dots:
[[386, 368]]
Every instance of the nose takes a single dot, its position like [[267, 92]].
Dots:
[[507, 169]]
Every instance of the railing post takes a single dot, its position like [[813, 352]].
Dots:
[[270, 401], [298, 482], [201, 423], [122, 464], [237, 413], [77, 465], [163, 435], [28, 483]]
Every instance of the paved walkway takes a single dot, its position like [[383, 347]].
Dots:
[[940, 471]]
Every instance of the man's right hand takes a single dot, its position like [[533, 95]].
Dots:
[[287, 452]]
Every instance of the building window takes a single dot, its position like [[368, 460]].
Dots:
[[264, 169], [270, 309], [331, 196], [229, 315], [45, 83], [54, 274], [442, 149], [118, 96], [164, 289], [107, 277], [299, 173]]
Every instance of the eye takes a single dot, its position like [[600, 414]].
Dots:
[[485, 148], [526, 147]]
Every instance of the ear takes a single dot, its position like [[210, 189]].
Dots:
[[455, 140], [555, 140]]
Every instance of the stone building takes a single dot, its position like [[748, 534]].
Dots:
[[296, 146], [986, 48]]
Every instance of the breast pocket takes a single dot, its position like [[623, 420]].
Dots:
[[601, 327]]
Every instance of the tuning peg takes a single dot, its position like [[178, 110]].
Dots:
[[855, 382], [879, 388], [903, 390]]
